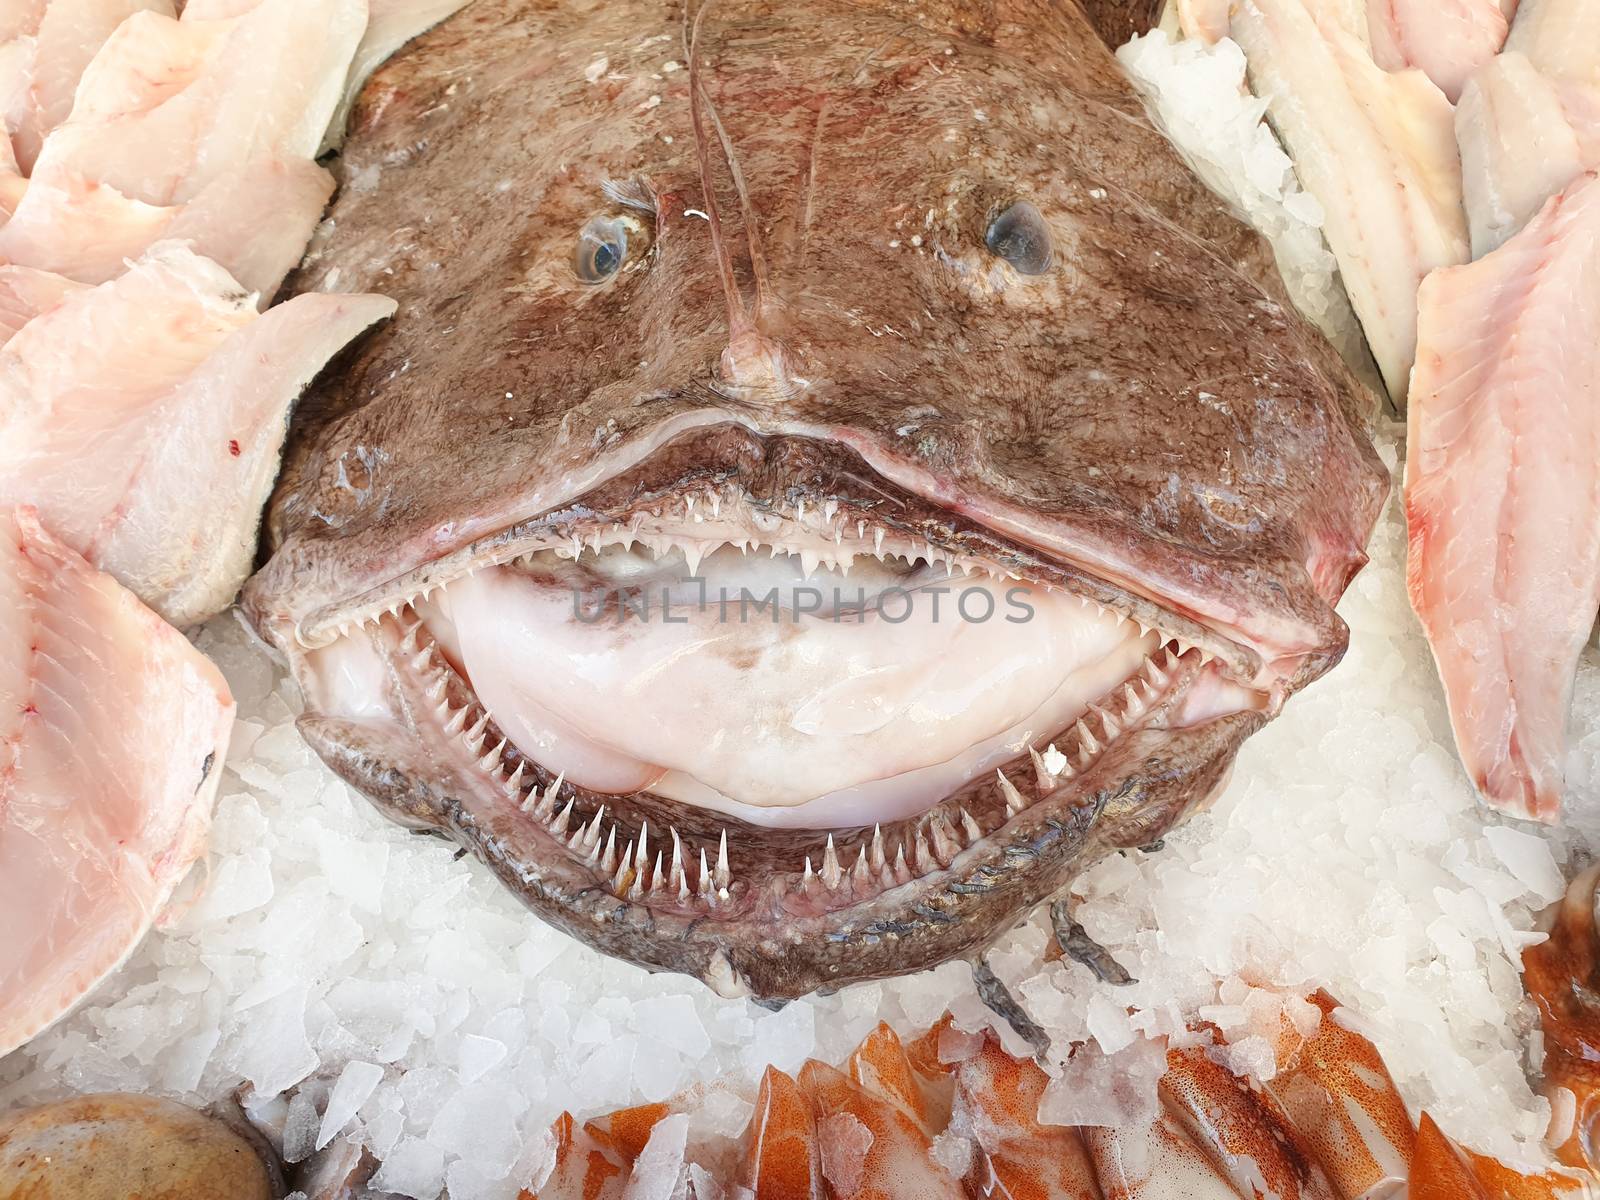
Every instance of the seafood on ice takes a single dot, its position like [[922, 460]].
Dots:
[[112, 733], [860, 392]]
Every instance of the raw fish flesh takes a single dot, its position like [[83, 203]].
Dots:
[[1524, 136], [1502, 472], [1377, 150], [251, 92], [112, 733], [1446, 39], [61, 37], [254, 222], [1560, 37], [145, 417]]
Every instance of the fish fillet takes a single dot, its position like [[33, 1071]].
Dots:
[[1503, 493], [390, 25], [265, 88], [1524, 136], [1377, 150], [25, 293], [1560, 37], [112, 733], [254, 221], [1446, 39], [145, 418]]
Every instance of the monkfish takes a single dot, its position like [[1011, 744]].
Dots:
[[833, 472]]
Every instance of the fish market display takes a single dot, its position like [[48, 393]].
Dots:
[[1376, 149], [953, 1115], [955, 377], [112, 732], [1524, 136], [1504, 567], [145, 417]]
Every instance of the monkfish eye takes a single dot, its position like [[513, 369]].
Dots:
[[1020, 236], [602, 249]]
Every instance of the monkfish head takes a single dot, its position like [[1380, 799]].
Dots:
[[833, 472]]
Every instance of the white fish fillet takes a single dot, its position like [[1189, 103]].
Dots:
[[265, 89], [1377, 150], [1502, 473], [1560, 37], [145, 418], [25, 293], [68, 36], [112, 733], [1446, 39], [390, 25], [1524, 136], [255, 222]]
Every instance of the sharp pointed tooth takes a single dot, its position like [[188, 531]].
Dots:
[[559, 826], [879, 859], [619, 881], [861, 873], [655, 875], [716, 504], [641, 856], [809, 559], [513, 783], [901, 871], [1085, 738], [547, 802], [636, 889], [829, 508], [1132, 704], [861, 531], [420, 660], [1107, 722], [591, 833], [491, 760], [945, 845], [1042, 773], [877, 542], [608, 857], [971, 828], [1154, 673], [809, 878], [408, 644], [705, 874], [688, 506], [676, 877], [1014, 801], [436, 689], [723, 877], [832, 872], [692, 553]]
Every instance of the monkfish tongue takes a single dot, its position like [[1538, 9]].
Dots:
[[849, 699]]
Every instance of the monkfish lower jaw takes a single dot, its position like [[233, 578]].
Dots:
[[750, 865]]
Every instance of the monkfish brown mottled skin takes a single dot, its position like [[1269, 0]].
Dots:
[[914, 286]]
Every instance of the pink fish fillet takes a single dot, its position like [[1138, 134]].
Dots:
[[145, 417], [112, 733], [1446, 39], [1503, 493]]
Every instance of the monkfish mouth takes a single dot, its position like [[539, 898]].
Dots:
[[723, 705]]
